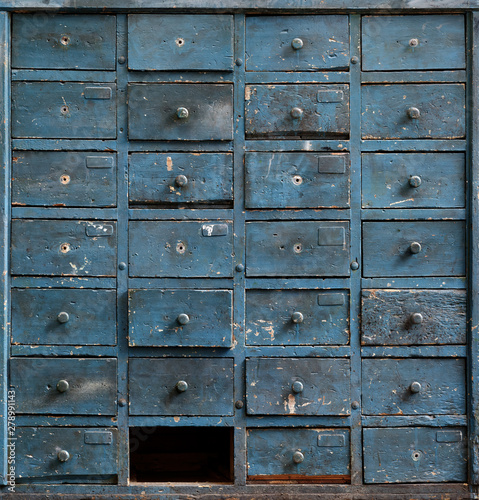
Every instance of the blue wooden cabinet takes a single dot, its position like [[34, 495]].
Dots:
[[239, 249]]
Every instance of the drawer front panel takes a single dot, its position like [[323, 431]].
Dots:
[[414, 386], [180, 42], [392, 43], [64, 248], [413, 317], [180, 318], [61, 452], [297, 110], [439, 246], [297, 180], [54, 110], [63, 317], [295, 453], [297, 248], [181, 249], [297, 43], [195, 112], [415, 455], [180, 178], [63, 41], [297, 317], [428, 111], [297, 386], [413, 180], [179, 386], [67, 179], [64, 386]]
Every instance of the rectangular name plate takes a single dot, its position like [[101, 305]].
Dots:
[[98, 437], [214, 229], [331, 237], [330, 299], [97, 93], [99, 161], [99, 230]]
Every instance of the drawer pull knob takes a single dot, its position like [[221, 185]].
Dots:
[[181, 180], [297, 113], [182, 113], [181, 386], [63, 455], [63, 386], [297, 43], [415, 247], [414, 42], [183, 319], [416, 318], [413, 113], [63, 317], [297, 317], [415, 181], [297, 387], [298, 457], [415, 387]]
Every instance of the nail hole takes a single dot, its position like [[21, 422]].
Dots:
[[298, 248], [65, 40], [65, 247], [64, 110], [297, 179], [180, 247], [65, 179], [180, 42]]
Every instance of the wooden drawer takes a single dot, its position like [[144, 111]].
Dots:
[[297, 43], [63, 248], [297, 317], [424, 111], [63, 316], [420, 248], [66, 454], [300, 248], [63, 41], [63, 178], [302, 455], [297, 180], [414, 386], [183, 249], [64, 386], [56, 110], [171, 178], [297, 386], [413, 180], [428, 42], [180, 318], [415, 455], [180, 42], [306, 111], [187, 112], [181, 386], [413, 317]]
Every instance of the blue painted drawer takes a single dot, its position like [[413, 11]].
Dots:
[[414, 386], [64, 178], [55, 110], [297, 317], [300, 248], [297, 180], [63, 316], [166, 178], [197, 318], [64, 386], [299, 454], [415, 455], [66, 454], [413, 180], [180, 42], [183, 112], [297, 386], [413, 317], [308, 111], [392, 43], [63, 41], [420, 248], [181, 386], [425, 111], [181, 249], [297, 43], [63, 247]]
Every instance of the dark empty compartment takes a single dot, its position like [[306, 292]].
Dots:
[[181, 454]]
